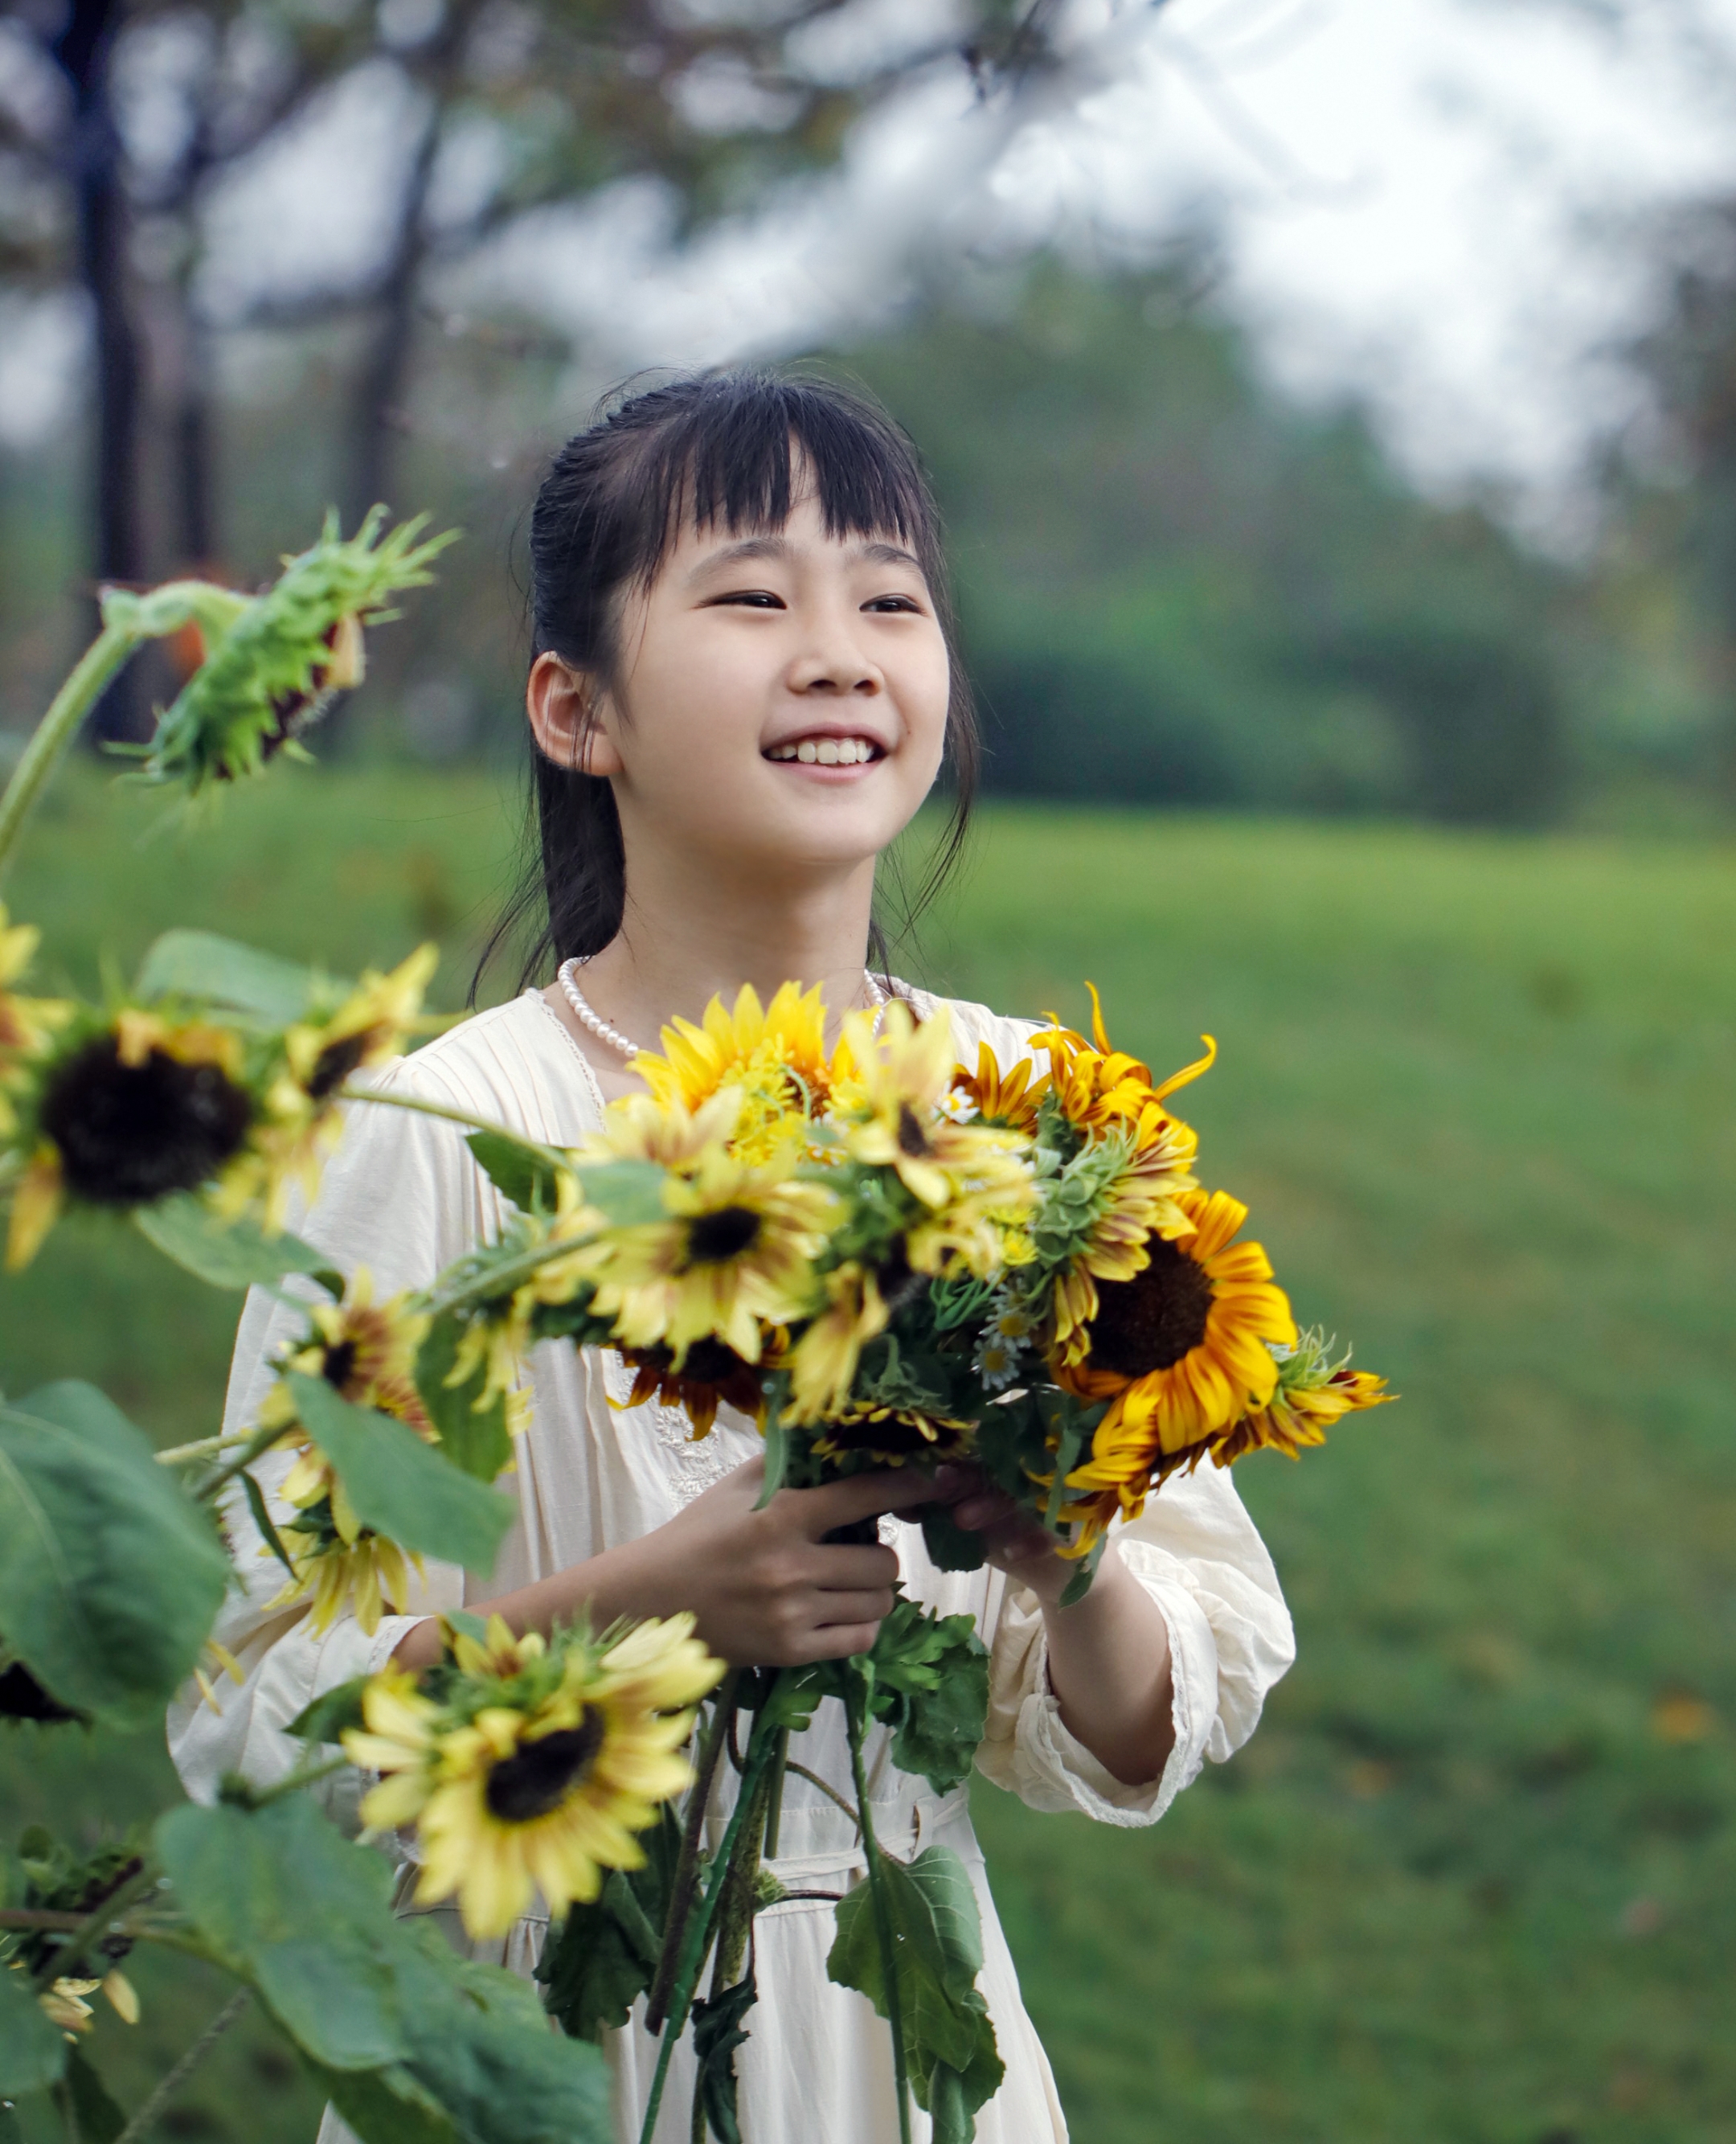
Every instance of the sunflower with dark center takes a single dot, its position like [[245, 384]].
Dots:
[[303, 1100], [732, 1258], [893, 1436], [712, 1376], [129, 1113], [536, 1764], [1181, 1351]]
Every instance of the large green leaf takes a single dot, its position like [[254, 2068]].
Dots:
[[399, 1486], [937, 1944], [475, 1440], [32, 2054], [233, 1254], [927, 1679], [718, 2031], [331, 1712], [415, 2045], [603, 1957], [109, 1576], [628, 1194], [198, 964]]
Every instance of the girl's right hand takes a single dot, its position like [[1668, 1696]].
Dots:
[[767, 1588]]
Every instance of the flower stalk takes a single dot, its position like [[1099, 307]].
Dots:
[[106, 654], [855, 1704]]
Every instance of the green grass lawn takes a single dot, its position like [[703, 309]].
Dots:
[[1475, 1877]]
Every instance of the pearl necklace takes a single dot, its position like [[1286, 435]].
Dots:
[[566, 975]]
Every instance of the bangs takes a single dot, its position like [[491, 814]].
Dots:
[[732, 451]]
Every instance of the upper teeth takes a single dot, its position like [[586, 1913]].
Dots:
[[827, 751]]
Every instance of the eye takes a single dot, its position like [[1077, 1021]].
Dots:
[[749, 598], [908, 603]]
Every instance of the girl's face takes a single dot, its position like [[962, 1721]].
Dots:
[[782, 700]]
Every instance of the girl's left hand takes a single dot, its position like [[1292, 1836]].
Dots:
[[1012, 1540]]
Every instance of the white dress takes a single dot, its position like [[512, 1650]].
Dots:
[[403, 1198]]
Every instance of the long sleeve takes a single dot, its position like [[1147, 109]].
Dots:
[[1198, 1555], [400, 1198]]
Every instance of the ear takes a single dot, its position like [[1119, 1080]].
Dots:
[[569, 718]]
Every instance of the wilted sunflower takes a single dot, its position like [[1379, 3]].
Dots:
[[1312, 1392], [773, 1058], [275, 664], [735, 1252], [303, 1114], [366, 1352], [893, 1436], [1180, 1351], [126, 1110], [537, 1766]]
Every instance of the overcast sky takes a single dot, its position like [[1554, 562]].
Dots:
[[1433, 202]]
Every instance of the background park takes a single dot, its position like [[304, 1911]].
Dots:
[[1355, 632]]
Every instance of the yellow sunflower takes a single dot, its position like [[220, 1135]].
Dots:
[[360, 1569], [1179, 1351], [303, 1114], [823, 1361], [539, 1769], [991, 1096], [1133, 1195], [366, 1352], [735, 1252], [893, 1436], [772, 1058], [127, 1112], [1097, 1089], [26, 1023], [973, 1178], [1312, 1394]]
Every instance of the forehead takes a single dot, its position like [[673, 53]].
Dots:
[[701, 548]]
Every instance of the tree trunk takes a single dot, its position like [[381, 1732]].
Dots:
[[83, 51]]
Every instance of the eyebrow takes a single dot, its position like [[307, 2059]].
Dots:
[[777, 547]]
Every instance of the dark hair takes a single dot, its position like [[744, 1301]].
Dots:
[[716, 447]]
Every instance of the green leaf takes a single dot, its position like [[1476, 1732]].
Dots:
[[477, 1442], [603, 1956], [32, 2054], [229, 1254], [399, 1486], [262, 1519], [109, 1576], [100, 2121], [198, 964], [928, 1679], [326, 1718], [1079, 1585], [938, 1953], [519, 1169], [950, 1546], [718, 2033], [777, 1437], [628, 1194], [414, 2044]]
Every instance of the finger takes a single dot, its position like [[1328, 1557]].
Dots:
[[845, 1570], [872, 1606], [955, 1480], [862, 1496], [975, 1512], [838, 1641]]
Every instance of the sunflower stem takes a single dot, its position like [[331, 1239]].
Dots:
[[256, 1448], [697, 1935], [551, 1155], [292, 1783], [832, 1793], [854, 1695], [147, 2117], [202, 1447], [106, 653], [681, 1890], [63, 1961]]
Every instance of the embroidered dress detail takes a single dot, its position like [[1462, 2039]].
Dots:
[[694, 1464]]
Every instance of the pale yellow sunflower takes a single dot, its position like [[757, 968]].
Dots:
[[26, 1023], [772, 1058], [1180, 1351], [823, 1361], [537, 1771], [735, 1254], [358, 1570], [302, 1113]]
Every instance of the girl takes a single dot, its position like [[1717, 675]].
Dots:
[[743, 689]]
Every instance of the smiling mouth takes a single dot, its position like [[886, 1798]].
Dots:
[[828, 752]]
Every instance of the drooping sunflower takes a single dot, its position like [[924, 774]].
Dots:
[[1180, 1351], [772, 1058], [366, 1352], [538, 1763], [1313, 1392], [970, 1181], [892, 1436], [303, 1114], [735, 1253], [711, 1376], [126, 1110]]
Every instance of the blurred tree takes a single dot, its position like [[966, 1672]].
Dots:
[[1177, 587], [138, 109]]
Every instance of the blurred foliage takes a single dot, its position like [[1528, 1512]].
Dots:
[[1473, 1879]]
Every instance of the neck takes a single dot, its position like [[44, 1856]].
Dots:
[[689, 935]]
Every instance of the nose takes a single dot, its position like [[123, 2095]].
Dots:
[[834, 665]]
